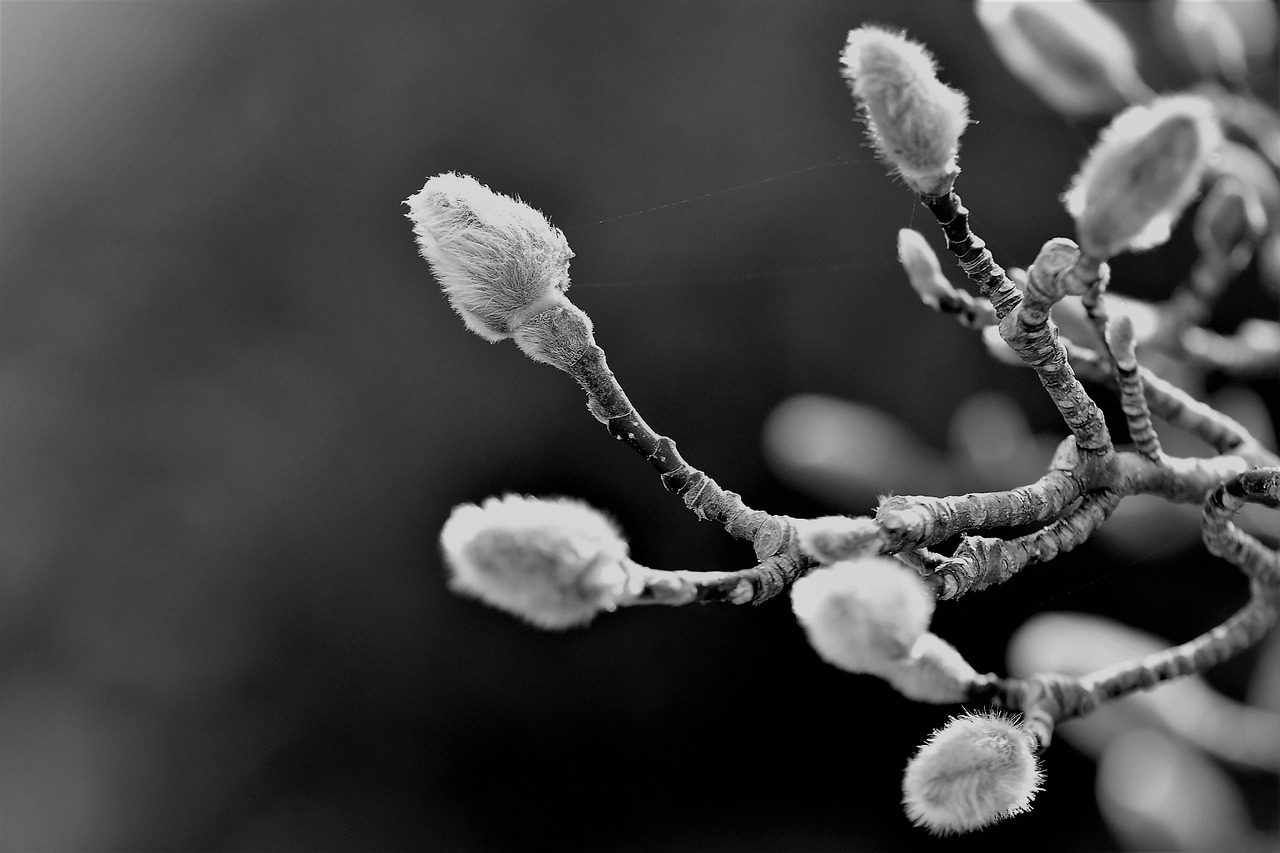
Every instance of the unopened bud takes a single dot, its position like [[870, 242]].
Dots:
[[1140, 176], [1074, 57], [555, 562], [1209, 37], [923, 269], [934, 672], [1230, 220], [862, 615], [1123, 341], [833, 538], [1269, 263], [498, 260], [914, 121], [978, 769]]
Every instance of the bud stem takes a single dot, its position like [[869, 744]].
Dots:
[[1048, 699], [773, 537]]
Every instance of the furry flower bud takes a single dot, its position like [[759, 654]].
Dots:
[[555, 563], [1074, 57], [862, 615], [498, 260], [833, 538], [1140, 176], [976, 770], [934, 672], [913, 119]]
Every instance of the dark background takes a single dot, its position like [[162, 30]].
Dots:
[[234, 413]]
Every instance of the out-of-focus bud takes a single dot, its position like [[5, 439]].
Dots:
[[978, 769], [1157, 793], [1208, 36], [554, 562], [846, 453], [1269, 262], [1074, 57], [1140, 176], [1074, 323], [1075, 644], [1257, 22], [923, 270], [862, 615], [913, 120], [1251, 169], [498, 260], [1230, 221], [1207, 31], [934, 672], [998, 348]]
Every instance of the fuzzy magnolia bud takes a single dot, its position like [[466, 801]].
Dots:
[[555, 563], [1144, 170], [1074, 57], [978, 769], [914, 120], [498, 260], [862, 615], [934, 672], [923, 270], [838, 537]]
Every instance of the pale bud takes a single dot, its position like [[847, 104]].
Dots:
[[978, 769], [1230, 221], [554, 562], [1140, 176], [862, 615], [1209, 36], [1074, 57], [923, 270], [498, 260], [934, 672], [914, 121], [833, 538]]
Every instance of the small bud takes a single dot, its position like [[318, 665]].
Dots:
[[498, 260], [1257, 22], [1142, 173], [978, 769], [862, 615], [998, 348], [838, 537], [1230, 221], [914, 120], [923, 270], [1123, 341], [1074, 57], [554, 562], [934, 672], [1209, 37]]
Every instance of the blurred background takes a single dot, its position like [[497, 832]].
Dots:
[[234, 413]]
